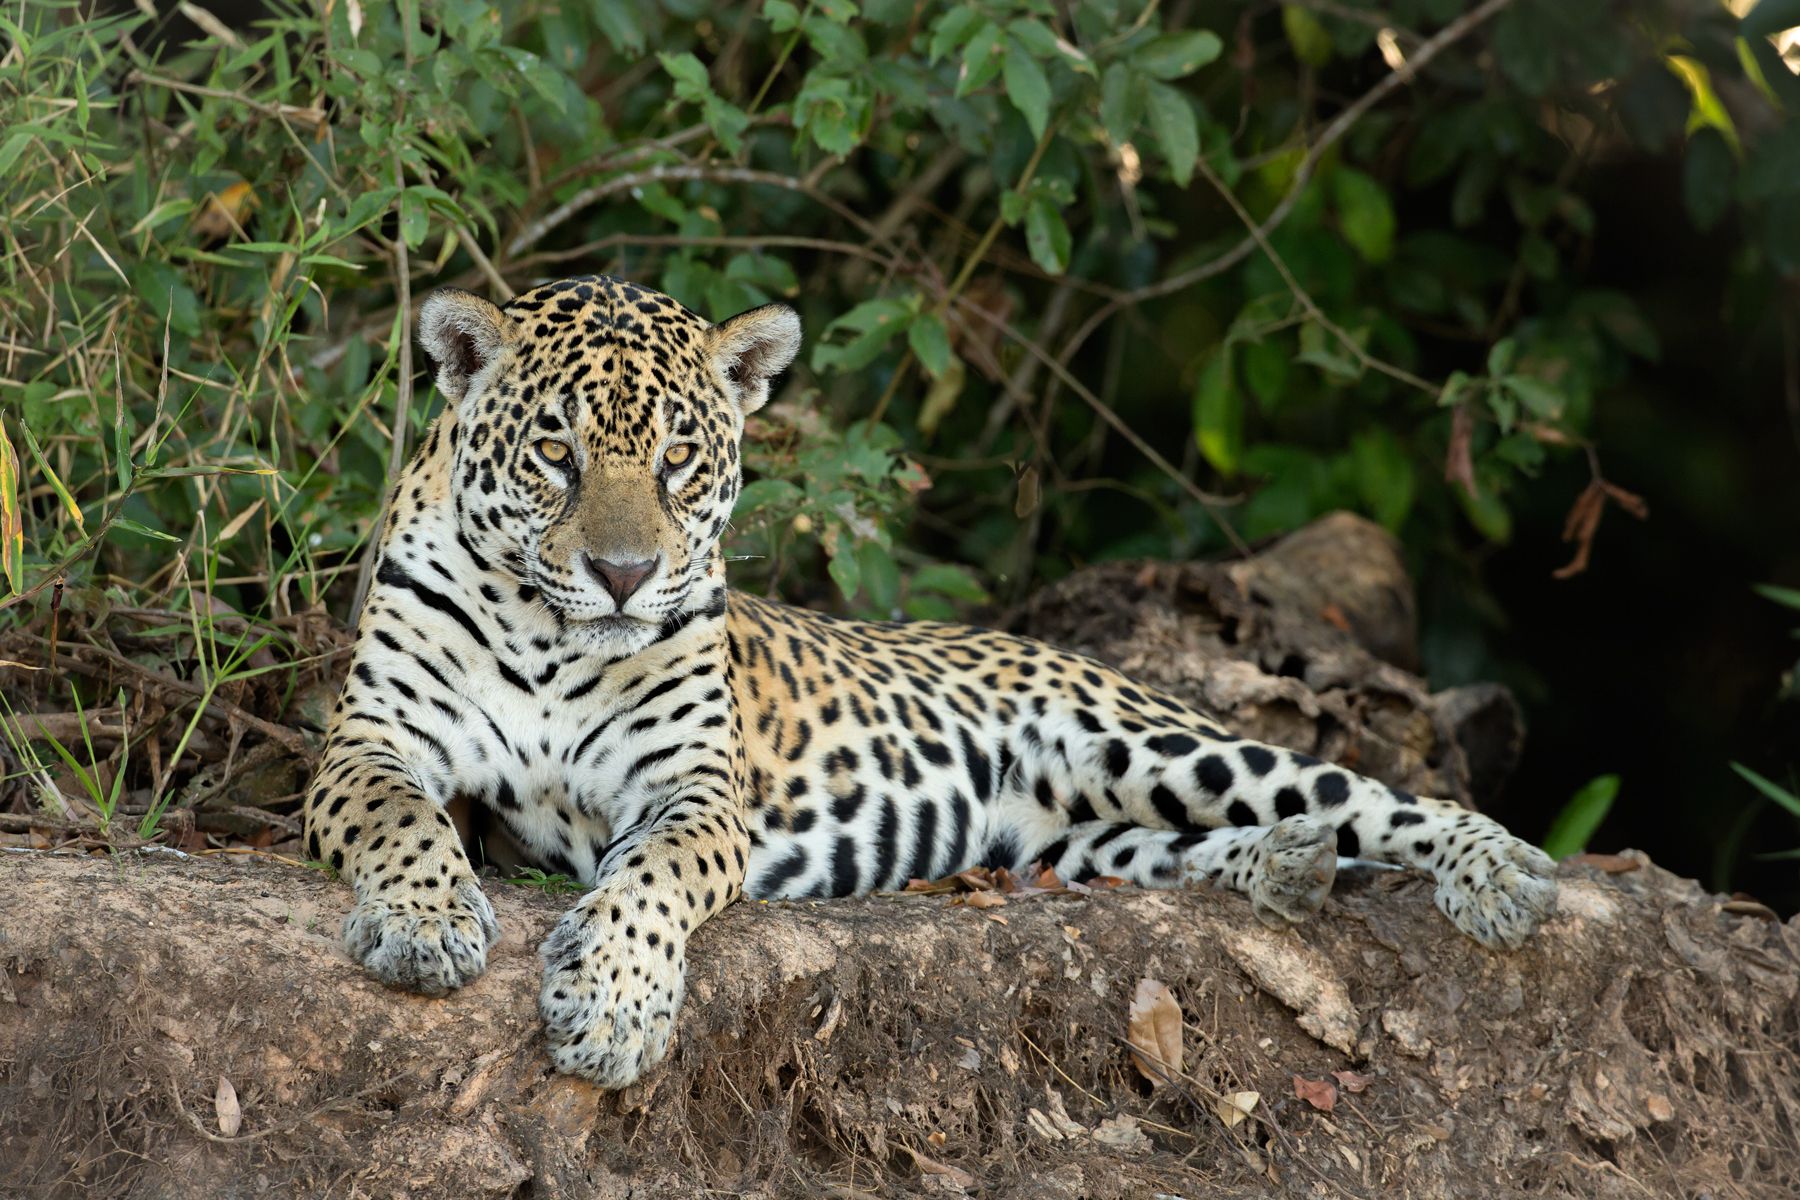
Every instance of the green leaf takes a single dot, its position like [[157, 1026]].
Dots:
[[874, 322], [1538, 397], [1780, 595], [1047, 234], [947, 579], [415, 218], [929, 608], [131, 526], [1620, 319], [1323, 350], [1174, 55], [1027, 87], [845, 570], [1121, 102], [1177, 131], [880, 577], [56, 483], [954, 29], [1580, 818], [1500, 356], [980, 60], [1364, 214], [1266, 369], [782, 16], [1769, 788], [1384, 476], [1307, 35], [1707, 174], [1487, 513], [1522, 45], [1219, 413], [930, 342], [764, 494], [620, 24]]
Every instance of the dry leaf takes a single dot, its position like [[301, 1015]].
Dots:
[[929, 1166], [225, 1104], [983, 899], [1659, 1107], [1027, 498], [1334, 616], [1351, 1082], [1320, 1093], [1233, 1107], [1459, 463], [1122, 1133], [1153, 1028]]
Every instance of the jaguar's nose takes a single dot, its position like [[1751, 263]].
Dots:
[[620, 579]]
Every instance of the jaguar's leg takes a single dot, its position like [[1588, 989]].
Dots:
[[1115, 751], [420, 920], [615, 967], [1286, 869]]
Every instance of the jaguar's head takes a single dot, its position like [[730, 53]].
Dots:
[[596, 447]]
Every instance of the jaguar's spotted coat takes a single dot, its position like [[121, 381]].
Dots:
[[550, 647]]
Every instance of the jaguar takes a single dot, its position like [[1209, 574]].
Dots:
[[550, 670]]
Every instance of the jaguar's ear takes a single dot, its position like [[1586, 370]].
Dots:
[[752, 348], [462, 334]]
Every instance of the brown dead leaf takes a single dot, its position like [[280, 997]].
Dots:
[[225, 1105], [929, 1166], [1353, 1083], [1105, 881], [1334, 616], [1153, 1028], [222, 213], [1233, 1107], [1459, 463], [981, 900], [1583, 521], [1027, 498], [1659, 1108], [1320, 1093], [1122, 1133]]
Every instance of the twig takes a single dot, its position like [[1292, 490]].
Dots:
[[309, 116], [1207, 500], [535, 232], [402, 411], [1446, 37], [483, 263], [1368, 360], [289, 738]]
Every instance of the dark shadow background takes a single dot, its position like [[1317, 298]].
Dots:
[[1660, 663]]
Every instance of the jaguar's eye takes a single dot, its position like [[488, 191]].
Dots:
[[677, 456], [554, 452]]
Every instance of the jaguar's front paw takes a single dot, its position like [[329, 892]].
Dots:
[[1295, 866], [425, 944], [1499, 890], [613, 981]]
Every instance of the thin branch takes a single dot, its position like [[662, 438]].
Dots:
[[535, 232], [1208, 500], [1446, 37], [402, 411], [1349, 343]]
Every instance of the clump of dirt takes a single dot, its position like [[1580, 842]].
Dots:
[[906, 1045]]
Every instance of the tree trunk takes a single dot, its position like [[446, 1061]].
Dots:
[[176, 1026]]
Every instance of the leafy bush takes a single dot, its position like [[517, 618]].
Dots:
[[1083, 280]]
